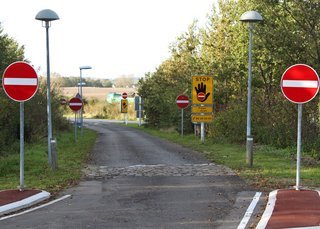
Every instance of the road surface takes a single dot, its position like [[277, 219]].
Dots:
[[134, 180]]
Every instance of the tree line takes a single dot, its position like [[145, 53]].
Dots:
[[289, 34], [120, 81]]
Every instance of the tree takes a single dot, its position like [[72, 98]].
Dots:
[[35, 121]]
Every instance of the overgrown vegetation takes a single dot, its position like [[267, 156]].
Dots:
[[38, 174], [288, 35]]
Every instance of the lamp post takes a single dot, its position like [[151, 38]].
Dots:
[[250, 17], [46, 16], [82, 68]]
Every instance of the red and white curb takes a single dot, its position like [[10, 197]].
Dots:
[[27, 202]]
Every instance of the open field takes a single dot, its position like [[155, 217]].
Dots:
[[95, 92], [96, 105]]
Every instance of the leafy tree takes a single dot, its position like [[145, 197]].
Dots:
[[287, 35], [35, 109]]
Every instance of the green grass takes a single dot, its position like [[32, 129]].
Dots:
[[71, 158], [272, 168]]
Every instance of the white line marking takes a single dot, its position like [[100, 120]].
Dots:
[[182, 101], [75, 104], [249, 211], [36, 208], [269, 209], [300, 83], [21, 81]]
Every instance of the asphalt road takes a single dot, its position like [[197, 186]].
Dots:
[[134, 180]]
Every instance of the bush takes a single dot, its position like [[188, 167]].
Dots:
[[229, 125]]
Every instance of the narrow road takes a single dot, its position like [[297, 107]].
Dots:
[[134, 180]]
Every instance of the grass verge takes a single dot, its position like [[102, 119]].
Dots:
[[71, 157], [272, 168]]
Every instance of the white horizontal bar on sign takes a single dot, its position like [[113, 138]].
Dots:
[[75, 104], [21, 81], [300, 83], [182, 101]]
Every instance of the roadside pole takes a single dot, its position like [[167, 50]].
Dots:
[[299, 146], [75, 126], [139, 110], [21, 146], [202, 133], [182, 122]]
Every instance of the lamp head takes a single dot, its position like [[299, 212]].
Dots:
[[251, 16], [47, 15], [85, 67]]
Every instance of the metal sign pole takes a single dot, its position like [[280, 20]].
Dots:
[[202, 132], [139, 110], [182, 122], [21, 146], [299, 146], [75, 126]]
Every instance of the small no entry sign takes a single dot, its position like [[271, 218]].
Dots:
[[75, 104], [182, 101]]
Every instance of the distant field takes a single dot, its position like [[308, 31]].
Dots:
[[97, 106], [95, 92]]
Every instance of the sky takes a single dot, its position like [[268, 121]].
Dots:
[[114, 37]]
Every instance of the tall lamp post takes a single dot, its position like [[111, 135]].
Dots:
[[250, 17], [82, 68], [46, 16]]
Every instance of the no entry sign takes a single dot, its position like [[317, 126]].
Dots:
[[124, 95], [300, 83], [20, 81], [75, 104], [182, 101]]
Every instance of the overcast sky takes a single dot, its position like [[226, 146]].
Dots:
[[115, 37]]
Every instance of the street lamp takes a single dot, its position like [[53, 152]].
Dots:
[[250, 17], [82, 68], [46, 16]]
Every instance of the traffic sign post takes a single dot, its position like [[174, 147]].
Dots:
[[75, 104], [124, 108], [20, 83], [182, 102], [299, 84], [124, 95], [202, 96]]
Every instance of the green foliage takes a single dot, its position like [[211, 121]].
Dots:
[[35, 109], [287, 35], [38, 174]]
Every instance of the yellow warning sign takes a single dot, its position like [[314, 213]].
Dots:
[[124, 106], [201, 109], [202, 90], [201, 118]]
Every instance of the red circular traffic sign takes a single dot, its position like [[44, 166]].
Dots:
[[182, 101], [300, 83], [20, 81], [75, 104], [124, 95], [201, 96]]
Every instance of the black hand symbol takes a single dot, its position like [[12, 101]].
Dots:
[[202, 89]]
